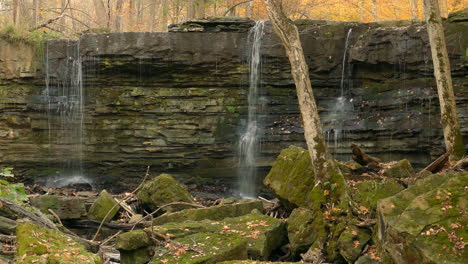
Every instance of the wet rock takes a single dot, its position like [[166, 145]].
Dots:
[[163, 190], [64, 207], [425, 223], [39, 245], [104, 204], [367, 193], [218, 212], [401, 169], [291, 177], [352, 241]]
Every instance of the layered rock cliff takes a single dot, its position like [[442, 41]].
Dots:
[[177, 101]]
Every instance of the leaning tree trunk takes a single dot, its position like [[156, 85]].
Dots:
[[375, 13], [330, 187], [449, 117]]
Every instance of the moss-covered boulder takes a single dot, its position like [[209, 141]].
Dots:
[[304, 228], [367, 193], [134, 247], [400, 169], [64, 207], [351, 242], [218, 212], [264, 233], [254, 262], [291, 177], [40, 245], [162, 190], [202, 248], [104, 204], [425, 223]]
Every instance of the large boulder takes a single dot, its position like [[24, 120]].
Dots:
[[367, 193], [262, 234], [104, 206], [40, 245], [291, 177], [425, 223], [218, 212], [163, 190], [134, 247], [351, 242], [400, 169], [64, 207]]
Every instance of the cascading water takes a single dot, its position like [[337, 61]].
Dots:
[[65, 117], [343, 105], [249, 140]]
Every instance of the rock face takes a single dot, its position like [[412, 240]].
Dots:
[[425, 223], [177, 101], [163, 190]]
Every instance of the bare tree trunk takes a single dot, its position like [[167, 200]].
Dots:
[[72, 14], [375, 13], [191, 10], [35, 13], [15, 10], [163, 16], [325, 168], [100, 12], [414, 9], [118, 16], [62, 22], [448, 111], [201, 8], [152, 15], [249, 10], [140, 14], [361, 10]]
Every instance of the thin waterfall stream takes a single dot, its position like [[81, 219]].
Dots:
[[65, 118], [343, 105], [249, 140]]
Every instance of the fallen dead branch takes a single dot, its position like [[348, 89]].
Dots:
[[164, 206], [438, 164], [124, 200], [7, 239]]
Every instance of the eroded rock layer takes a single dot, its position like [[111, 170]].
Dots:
[[178, 101]]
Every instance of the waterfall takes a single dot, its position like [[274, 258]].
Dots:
[[248, 142], [343, 105], [65, 117]]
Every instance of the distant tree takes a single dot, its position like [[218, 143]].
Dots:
[[191, 10], [414, 9], [375, 13], [449, 117]]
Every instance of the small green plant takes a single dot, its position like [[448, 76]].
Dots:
[[36, 39], [11, 191]]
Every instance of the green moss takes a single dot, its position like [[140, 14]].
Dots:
[[40, 245], [132, 240], [369, 192], [218, 212], [103, 204], [211, 248], [162, 190], [36, 39]]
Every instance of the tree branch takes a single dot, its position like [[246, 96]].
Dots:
[[234, 6]]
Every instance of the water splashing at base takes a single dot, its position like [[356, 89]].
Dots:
[[248, 142], [65, 118]]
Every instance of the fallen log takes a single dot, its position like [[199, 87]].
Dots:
[[438, 164], [462, 165], [38, 218], [362, 158]]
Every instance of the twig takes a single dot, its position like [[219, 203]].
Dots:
[[234, 6], [56, 216], [163, 206], [7, 252], [128, 197], [266, 200], [7, 239], [52, 19], [110, 238]]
